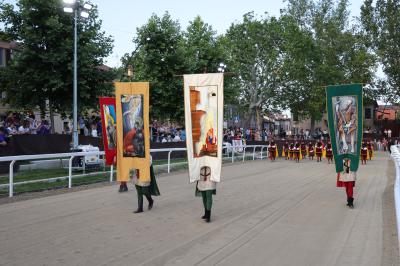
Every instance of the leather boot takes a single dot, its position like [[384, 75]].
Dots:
[[348, 202], [208, 216], [151, 201], [140, 206], [205, 215], [351, 200]]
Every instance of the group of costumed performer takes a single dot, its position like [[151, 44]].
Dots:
[[367, 151]]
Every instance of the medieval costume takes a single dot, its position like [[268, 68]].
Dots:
[[272, 150], [347, 179], [206, 188], [318, 151], [291, 149], [370, 148], [147, 189], [285, 150], [329, 152], [364, 153], [296, 152], [303, 150], [310, 151]]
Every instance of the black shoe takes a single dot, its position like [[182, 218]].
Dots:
[[208, 216], [204, 216], [140, 206], [125, 187], [351, 200], [151, 204], [138, 210], [348, 202]]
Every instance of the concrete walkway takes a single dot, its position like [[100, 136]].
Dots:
[[265, 213]]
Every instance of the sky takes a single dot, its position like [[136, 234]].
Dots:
[[121, 18]]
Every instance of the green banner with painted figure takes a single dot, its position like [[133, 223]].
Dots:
[[344, 106]]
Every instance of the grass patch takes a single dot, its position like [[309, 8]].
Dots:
[[41, 186]]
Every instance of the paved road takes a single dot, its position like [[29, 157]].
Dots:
[[279, 213]]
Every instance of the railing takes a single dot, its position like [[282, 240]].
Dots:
[[232, 150], [395, 154]]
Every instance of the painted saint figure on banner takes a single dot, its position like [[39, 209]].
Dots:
[[111, 126], [345, 119], [133, 126], [204, 113]]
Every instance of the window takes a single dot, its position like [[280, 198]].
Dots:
[[3, 95], [367, 113]]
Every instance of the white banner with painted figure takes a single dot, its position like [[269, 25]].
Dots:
[[204, 105]]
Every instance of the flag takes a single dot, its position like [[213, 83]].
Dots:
[[133, 136], [109, 128], [345, 105], [204, 123]]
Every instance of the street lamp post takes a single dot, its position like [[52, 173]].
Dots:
[[221, 67], [73, 6]]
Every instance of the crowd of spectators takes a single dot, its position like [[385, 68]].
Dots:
[[235, 133], [167, 132], [21, 123], [87, 126]]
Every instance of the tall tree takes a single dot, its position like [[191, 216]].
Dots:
[[203, 52], [159, 57], [254, 56], [320, 48], [380, 25], [41, 69]]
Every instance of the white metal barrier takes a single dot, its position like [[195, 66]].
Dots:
[[71, 156], [395, 154]]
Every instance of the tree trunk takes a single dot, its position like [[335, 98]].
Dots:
[[51, 111], [255, 118], [312, 124]]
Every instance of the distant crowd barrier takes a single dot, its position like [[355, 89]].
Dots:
[[395, 154], [230, 152]]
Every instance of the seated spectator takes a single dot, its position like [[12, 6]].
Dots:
[[24, 128], [164, 140], [94, 130], [3, 141], [44, 128], [176, 138]]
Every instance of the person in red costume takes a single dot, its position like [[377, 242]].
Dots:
[[347, 179], [329, 153]]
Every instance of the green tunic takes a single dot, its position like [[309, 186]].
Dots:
[[152, 189]]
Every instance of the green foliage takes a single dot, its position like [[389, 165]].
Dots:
[[254, 57], [320, 48], [42, 67], [163, 53], [380, 25]]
